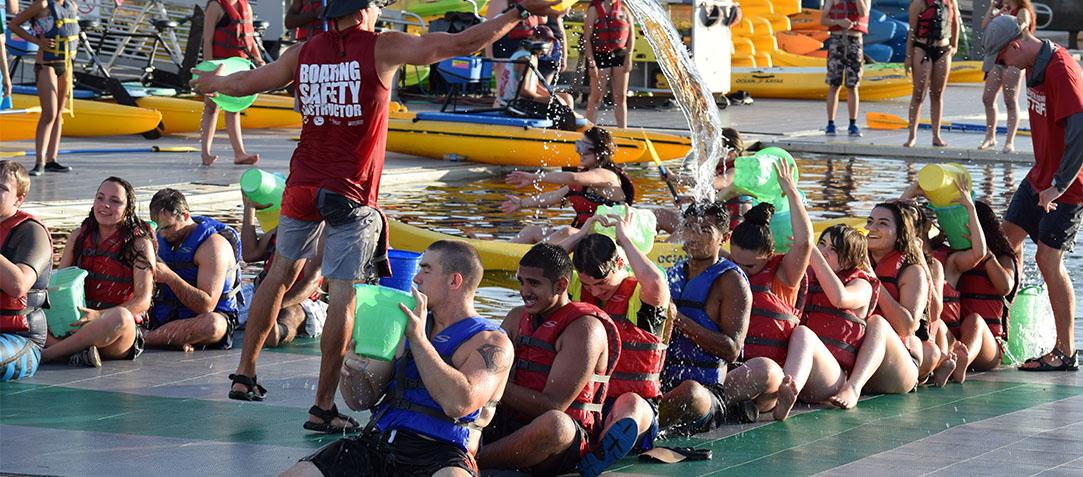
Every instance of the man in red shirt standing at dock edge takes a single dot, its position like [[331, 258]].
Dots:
[[342, 79], [1048, 206]]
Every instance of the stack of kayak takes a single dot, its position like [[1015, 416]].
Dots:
[[493, 138]]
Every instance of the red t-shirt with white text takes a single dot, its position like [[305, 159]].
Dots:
[[1050, 105]]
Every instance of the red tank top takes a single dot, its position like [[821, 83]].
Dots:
[[344, 107]]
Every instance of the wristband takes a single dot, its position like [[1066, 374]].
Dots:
[[523, 12]]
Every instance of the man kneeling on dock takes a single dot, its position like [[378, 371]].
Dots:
[[446, 376]]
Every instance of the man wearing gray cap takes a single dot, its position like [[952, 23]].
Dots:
[[1048, 205]]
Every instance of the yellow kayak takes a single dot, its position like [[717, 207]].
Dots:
[[181, 115], [808, 83], [19, 124], [96, 118], [966, 72], [961, 71], [516, 145], [503, 255]]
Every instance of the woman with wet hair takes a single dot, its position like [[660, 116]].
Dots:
[[117, 249], [778, 285], [842, 293], [890, 354], [986, 276], [938, 360], [599, 181]]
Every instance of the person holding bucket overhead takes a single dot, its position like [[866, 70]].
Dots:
[[26, 259], [448, 375], [1048, 206], [117, 250], [227, 33], [55, 26], [335, 170]]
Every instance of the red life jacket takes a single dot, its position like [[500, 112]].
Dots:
[[525, 28], [847, 9], [841, 330], [535, 351], [977, 296], [611, 29], [344, 134], [888, 271], [949, 295], [585, 200], [772, 320], [109, 281], [312, 28], [231, 34], [934, 22], [13, 309], [641, 353]]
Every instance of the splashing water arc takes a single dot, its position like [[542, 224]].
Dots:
[[696, 102]]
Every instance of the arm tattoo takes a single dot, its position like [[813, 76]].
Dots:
[[491, 354]]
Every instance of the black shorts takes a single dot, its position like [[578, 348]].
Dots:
[[563, 117], [502, 426], [1055, 229], [609, 60], [58, 68], [407, 455], [137, 345]]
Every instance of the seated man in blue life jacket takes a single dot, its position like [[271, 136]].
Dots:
[[713, 301], [197, 277], [447, 376], [638, 303], [565, 354]]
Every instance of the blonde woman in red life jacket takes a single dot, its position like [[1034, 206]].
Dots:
[[842, 294], [608, 40], [888, 360], [227, 32]]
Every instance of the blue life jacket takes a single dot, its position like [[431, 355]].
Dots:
[[408, 405], [167, 307], [65, 30], [686, 360]]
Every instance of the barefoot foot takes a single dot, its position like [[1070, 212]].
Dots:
[[846, 398], [246, 159], [937, 142], [787, 395], [209, 159], [943, 370], [987, 144], [1008, 148], [962, 355], [910, 142]]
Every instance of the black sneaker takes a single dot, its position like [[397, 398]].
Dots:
[[38, 170], [88, 357], [56, 167]]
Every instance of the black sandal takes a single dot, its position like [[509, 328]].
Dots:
[[328, 417], [255, 392], [1066, 363]]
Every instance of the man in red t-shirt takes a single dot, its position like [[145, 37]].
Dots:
[[1048, 205], [342, 79]]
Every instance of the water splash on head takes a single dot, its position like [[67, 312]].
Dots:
[[695, 100]]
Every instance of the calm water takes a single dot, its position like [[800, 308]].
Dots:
[[835, 187]]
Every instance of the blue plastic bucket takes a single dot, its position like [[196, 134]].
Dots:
[[404, 265]]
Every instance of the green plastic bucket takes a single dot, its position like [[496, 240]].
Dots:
[[756, 174], [641, 232], [264, 187], [230, 66], [1030, 325], [782, 231], [955, 223], [66, 295], [379, 323]]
